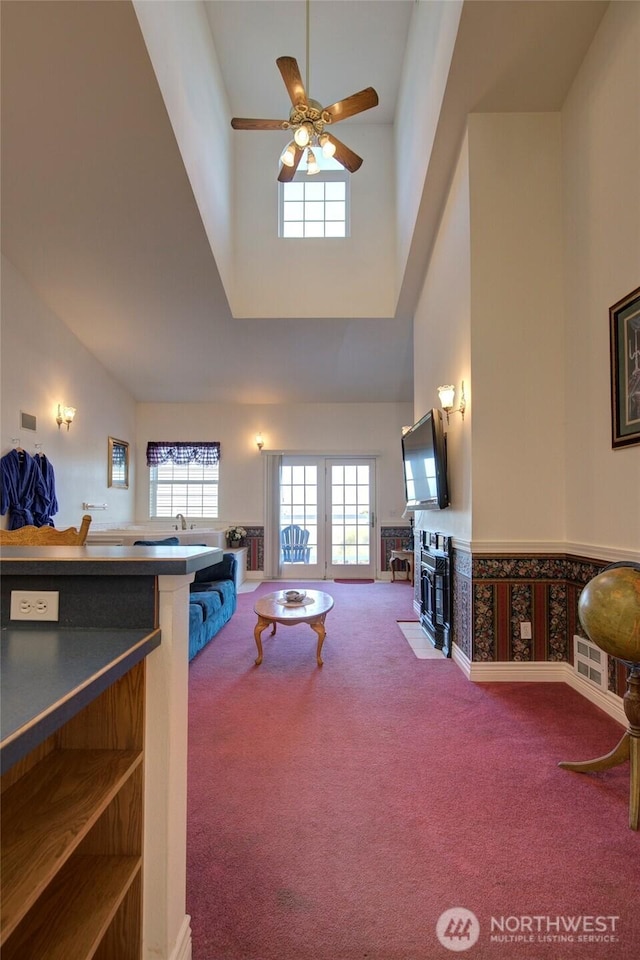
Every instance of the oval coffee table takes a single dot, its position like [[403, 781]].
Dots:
[[273, 609]]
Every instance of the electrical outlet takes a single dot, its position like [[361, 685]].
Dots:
[[34, 605], [525, 630]]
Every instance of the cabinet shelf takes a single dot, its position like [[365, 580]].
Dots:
[[46, 815], [76, 910]]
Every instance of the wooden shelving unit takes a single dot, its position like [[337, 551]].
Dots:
[[72, 836]]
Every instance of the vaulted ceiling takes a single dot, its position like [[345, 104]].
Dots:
[[100, 216]]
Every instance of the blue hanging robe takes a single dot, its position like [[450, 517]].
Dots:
[[45, 505], [20, 483]]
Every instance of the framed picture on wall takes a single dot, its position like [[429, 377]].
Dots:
[[624, 319], [118, 464]]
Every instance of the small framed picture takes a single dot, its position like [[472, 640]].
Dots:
[[624, 319], [118, 464]]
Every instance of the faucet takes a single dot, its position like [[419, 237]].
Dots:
[[183, 522]]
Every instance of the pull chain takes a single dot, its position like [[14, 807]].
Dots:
[[307, 81]]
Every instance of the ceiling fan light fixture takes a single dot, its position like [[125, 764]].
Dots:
[[328, 146], [312, 163], [302, 135], [289, 154]]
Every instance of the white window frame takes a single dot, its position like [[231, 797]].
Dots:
[[325, 176], [189, 506]]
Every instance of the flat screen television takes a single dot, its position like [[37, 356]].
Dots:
[[424, 455]]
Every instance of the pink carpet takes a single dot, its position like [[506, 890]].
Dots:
[[336, 813]]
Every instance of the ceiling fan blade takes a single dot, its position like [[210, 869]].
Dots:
[[288, 67], [242, 123], [356, 103], [345, 156], [288, 173]]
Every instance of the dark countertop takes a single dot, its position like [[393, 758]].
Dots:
[[99, 560], [47, 676]]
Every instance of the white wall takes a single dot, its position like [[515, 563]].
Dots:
[[348, 428], [180, 45], [601, 183], [442, 349], [553, 227], [62, 370], [430, 44], [517, 328], [44, 364], [350, 277]]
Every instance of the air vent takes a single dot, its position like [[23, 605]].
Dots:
[[590, 662], [27, 421]]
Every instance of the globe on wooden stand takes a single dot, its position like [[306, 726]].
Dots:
[[609, 610]]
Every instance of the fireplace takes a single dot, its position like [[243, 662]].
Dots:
[[435, 589]]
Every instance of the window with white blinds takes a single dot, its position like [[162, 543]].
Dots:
[[189, 488]]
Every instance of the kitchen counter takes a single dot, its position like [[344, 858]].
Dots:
[[49, 675], [113, 603], [108, 560]]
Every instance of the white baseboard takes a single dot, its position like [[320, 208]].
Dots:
[[182, 949], [540, 672], [611, 703]]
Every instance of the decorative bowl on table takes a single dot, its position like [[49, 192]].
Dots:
[[294, 596]]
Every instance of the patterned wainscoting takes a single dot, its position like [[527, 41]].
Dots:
[[462, 625], [394, 538], [254, 542], [492, 595]]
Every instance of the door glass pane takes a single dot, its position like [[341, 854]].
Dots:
[[350, 515], [350, 554], [350, 474], [299, 514]]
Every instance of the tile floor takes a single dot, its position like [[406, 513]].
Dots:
[[417, 640]]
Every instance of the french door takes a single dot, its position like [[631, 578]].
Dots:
[[331, 502]]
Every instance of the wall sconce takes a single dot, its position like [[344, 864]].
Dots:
[[259, 441], [65, 415], [447, 394]]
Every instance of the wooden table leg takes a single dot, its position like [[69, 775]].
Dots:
[[318, 626], [614, 758], [257, 633], [627, 749]]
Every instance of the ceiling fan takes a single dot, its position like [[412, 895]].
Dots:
[[308, 121]]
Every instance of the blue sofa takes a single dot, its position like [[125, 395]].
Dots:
[[212, 602]]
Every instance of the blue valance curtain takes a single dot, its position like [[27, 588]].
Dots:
[[206, 453]]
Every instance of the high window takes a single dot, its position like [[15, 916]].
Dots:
[[315, 207]]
